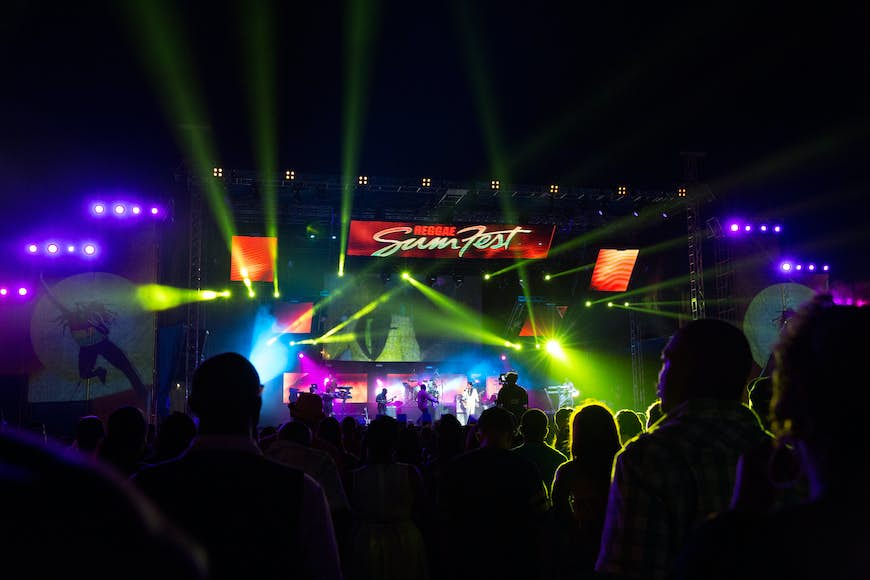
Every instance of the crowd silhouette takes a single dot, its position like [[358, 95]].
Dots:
[[725, 475]]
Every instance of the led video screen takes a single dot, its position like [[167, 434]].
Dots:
[[613, 270], [252, 258]]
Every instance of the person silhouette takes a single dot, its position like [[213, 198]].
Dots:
[[89, 325]]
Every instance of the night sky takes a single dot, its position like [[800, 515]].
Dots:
[[586, 94]]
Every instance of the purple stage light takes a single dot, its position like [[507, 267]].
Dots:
[[799, 267], [811, 267], [734, 227], [777, 229], [3, 291], [70, 248], [379, 382], [763, 228], [89, 249], [136, 210], [301, 355], [22, 291], [52, 248], [748, 228], [99, 209], [826, 267], [119, 209], [785, 266], [32, 248], [155, 210], [504, 357]]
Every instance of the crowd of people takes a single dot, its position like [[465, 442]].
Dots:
[[720, 477]]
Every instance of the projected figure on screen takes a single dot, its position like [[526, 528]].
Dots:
[[88, 324]]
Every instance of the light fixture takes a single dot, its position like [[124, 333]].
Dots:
[[217, 172], [554, 188], [426, 182], [621, 190], [495, 184], [362, 180], [289, 175]]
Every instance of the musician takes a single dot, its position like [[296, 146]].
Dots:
[[328, 397], [424, 398], [381, 400], [469, 401]]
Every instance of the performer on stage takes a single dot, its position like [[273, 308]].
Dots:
[[423, 401], [381, 400], [328, 397], [469, 401]]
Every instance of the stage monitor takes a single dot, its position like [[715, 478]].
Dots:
[[253, 256], [613, 270]]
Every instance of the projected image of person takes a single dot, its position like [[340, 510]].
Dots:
[[89, 325]]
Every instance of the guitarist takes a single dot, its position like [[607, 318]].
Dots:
[[381, 400]]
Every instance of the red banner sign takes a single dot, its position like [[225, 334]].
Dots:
[[486, 241]]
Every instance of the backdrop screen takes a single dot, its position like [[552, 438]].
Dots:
[[613, 270], [253, 255], [395, 322]]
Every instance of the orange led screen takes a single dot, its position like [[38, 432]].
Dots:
[[253, 254], [613, 270]]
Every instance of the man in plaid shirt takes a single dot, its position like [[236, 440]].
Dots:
[[670, 479]]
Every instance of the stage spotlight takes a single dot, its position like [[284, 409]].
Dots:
[[217, 172], [333, 237], [32, 248], [379, 382], [538, 345], [405, 276], [301, 355], [508, 343], [554, 348], [635, 214], [734, 227], [22, 291], [554, 188], [311, 236], [763, 228], [811, 267], [289, 175], [495, 184], [601, 212], [610, 304], [135, 210], [99, 209], [119, 209], [155, 210], [486, 276], [243, 272], [747, 227], [3, 291], [276, 294], [426, 182], [362, 180], [681, 192], [251, 294], [785, 266], [798, 267], [70, 248], [52, 248], [625, 304], [292, 343], [89, 249], [665, 215], [588, 303], [547, 277], [777, 229], [826, 268], [622, 190], [518, 346], [503, 357], [208, 294]]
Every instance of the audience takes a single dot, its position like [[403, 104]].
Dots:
[[65, 516], [562, 418], [827, 535], [254, 516], [653, 413], [501, 496], [581, 486], [389, 503], [545, 459], [89, 434], [668, 481], [174, 436], [629, 425], [124, 445]]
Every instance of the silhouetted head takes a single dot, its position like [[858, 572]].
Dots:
[[381, 439], [594, 435], [384, 391], [653, 413], [534, 425], [330, 431], [495, 428], [295, 432], [563, 418], [511, 378], [707, 358], [89, 432], [629, 425], [225, 395], [760, 394], [820, 368]]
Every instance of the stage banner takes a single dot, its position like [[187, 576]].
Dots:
[[476, 241]]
